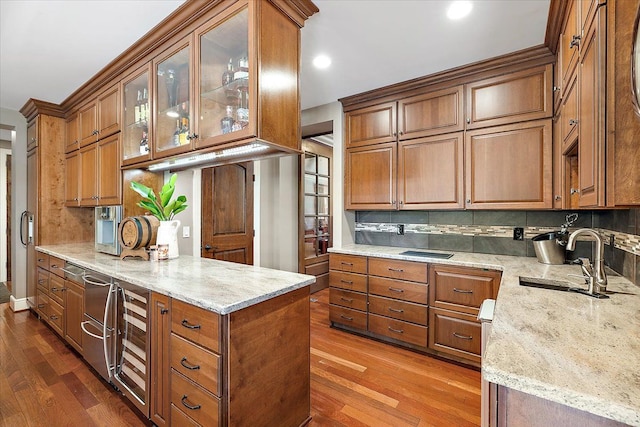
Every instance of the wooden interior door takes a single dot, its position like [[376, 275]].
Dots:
[[227, 213]]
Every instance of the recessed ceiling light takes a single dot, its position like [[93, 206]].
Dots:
[[459, 9], [321, 61]]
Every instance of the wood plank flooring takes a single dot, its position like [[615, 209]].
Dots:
[[355, 381]]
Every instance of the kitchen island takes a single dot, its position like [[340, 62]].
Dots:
[[246, 329], [564, 348]]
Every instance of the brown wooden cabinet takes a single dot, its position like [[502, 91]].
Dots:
[[455, 295], [100, 179], [348, 291], [71, 181], [72, 127], [370, 177], [50, 292], [159, 398], [74, 312], [370, 125], [510, 167], [88, 123], [568, 45], [33, 134], [100, 117]]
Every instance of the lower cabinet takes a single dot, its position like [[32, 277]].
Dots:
[[159, 399], [74, 312]]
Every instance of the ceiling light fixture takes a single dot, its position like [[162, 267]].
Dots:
[[459, 9], [321, 61]]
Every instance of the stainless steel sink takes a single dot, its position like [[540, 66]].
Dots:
[[427, 254], [553, 285]]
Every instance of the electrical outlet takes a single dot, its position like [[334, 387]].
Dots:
[[518, 233], [400, 229], [186, 231]]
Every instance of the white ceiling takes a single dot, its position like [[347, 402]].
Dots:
[[48, 49]]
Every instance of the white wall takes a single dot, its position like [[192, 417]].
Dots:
[[188, 184], [18, 123], [4, 153], [343, 221]]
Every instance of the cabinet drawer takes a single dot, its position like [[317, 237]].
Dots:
[[56, 288], [42, 303], [397, 289], [200, 405], [455, 333], [56, 265], [348, 299], [398, 330], [401, 310], [351, 281], [180, 419], [43, 280], [196, 324], [196, 363], [55, 316], [462, 289], [401, 270], [346, 316], [349, 263], [42, 260]]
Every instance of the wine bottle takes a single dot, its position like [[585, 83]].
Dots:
[[136, 109], [242, 113], [144, 143], [227, 76], [226, 124], [145, 105], [176, 133], [184, 130]]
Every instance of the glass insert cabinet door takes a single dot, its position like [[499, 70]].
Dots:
[[137, 117], [317, 216], [173, 103], [224, 79]]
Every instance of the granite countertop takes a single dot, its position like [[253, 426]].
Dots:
[[219, 286], [565, 347]]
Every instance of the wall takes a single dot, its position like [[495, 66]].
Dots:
[[14, 120], [491, 232]]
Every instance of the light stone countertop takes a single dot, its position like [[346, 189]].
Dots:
[[219, 286], [566, 347]]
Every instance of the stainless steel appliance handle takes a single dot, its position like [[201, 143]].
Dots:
[[23, 215], [71, 272], [91, 282], [104, 327], [90, 333]]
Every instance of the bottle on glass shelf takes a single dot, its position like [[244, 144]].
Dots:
[[227, 76], [144, 112], [242, 113], [144, 143], [184, 130], [243, 69], [176, 134], [136, 109], [226, 124]]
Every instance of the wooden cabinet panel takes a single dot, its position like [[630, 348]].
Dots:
[[370, 177], [355, 300], [56, 265], [72, 126], [510, 166], [430, 172], [371, 125], [43, 279], [397, 269], [180, 419], [196, 324], [55, 316], [349, 263], [197, 364], [558, 167], [33, 134], [591, 131], [74, 312], [88, 123], [569, 115], [514, 97], [400, 310], [42, 303], [56, 288], [200, 405], [108, 104], [455, 333], [159, 391], [42, 260], [432, 113], [88, 158], [397, 289], [350, 281], [569, 44], [109, 176], [462, 289], [348, 317], [398, 330], [72, 181]]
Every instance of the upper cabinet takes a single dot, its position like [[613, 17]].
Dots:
[[100, 117], [370, 125], [136, 116]]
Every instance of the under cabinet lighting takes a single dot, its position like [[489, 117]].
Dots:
[[459, 9], [208, 157]]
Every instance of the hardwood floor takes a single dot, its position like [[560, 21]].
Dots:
[[354, 381]]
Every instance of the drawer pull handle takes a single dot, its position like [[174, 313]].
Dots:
[[462, 337], [54, 317], [397, 270], [462, 291], [395, 310], [348, 282], [184, 402], [346, 263], [40, 282], [350, 319], [186, 324], [400, 291], [346, 299], [40, 259], [186, 365], [40, 305], [54, 289], [54, 266], [397, 331]]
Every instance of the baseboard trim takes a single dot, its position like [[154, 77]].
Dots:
[[18, 304]]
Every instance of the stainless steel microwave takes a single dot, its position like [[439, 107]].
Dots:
[[107, 222]]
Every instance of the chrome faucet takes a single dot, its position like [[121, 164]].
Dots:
[[595, 275]]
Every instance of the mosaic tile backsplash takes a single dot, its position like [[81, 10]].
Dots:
[[492, 232]]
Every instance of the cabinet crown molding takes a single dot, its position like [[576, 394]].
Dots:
[[34, 107]]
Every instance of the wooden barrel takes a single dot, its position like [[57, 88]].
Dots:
[[138, 232]]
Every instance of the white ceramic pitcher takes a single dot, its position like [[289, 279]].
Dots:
[[168, 235]]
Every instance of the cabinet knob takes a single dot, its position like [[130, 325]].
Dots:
[[556, 89], [95, 132], [574, 191], [193, 136], [164, 310], [468, 200], [33, 139], [573, 122], [575, 41], [468, 121], [558, 197]]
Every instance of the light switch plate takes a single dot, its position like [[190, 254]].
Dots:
[[186, 232]]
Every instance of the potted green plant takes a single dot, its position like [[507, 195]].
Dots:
[[165, 209]]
